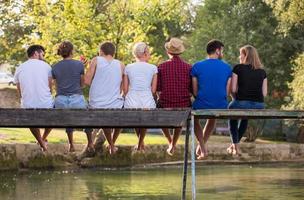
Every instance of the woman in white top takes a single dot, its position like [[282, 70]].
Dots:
[[139, 83], [105, 79]]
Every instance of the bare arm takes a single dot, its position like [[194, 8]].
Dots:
[[88, 77], [228, 87], [125, 84], [194, 86], [122, 66], [265, 87], [234, 84], [19, 90], [82, 84], [154, 84]]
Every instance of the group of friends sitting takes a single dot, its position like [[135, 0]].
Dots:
[[172, 84]]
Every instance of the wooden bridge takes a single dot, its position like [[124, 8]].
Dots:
[[135, 118]]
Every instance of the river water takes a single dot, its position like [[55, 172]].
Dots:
[[216, 182]]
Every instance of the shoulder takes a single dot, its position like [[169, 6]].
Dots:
[[199, 63], [43, 63]]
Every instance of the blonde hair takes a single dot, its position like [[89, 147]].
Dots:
[[139, 49], [251, 56]]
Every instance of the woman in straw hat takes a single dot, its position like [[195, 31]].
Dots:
[[140, 83], [174, 85]]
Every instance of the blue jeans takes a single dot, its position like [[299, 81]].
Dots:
[[72, 101], [238, 127]]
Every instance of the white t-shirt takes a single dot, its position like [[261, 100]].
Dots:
[[33, 77], [140, 75]]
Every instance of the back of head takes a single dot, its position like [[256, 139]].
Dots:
[[34, 48], [108, 48], [65, 49], [213, 45], [139, 49], [251, 56]]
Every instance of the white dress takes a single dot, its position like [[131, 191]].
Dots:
[[140, 76]]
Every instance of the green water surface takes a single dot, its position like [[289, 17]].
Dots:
[[222, 182]]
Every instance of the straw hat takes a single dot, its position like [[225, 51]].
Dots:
[[175, 46]]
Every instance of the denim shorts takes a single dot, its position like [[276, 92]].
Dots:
[[72, 101], [235, 104]]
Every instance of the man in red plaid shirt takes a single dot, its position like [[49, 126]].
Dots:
[[174, 85]]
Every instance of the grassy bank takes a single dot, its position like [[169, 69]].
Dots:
[[23, 135]]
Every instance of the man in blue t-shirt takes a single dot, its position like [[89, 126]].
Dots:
[[211, 86]]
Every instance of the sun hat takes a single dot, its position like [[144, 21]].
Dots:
[[175, 46]]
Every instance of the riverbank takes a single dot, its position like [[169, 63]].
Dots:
[[29, 156]]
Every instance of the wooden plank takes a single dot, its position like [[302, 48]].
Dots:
[[80, 118], [248, 114]]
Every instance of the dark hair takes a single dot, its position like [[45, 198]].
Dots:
[[33, 48], [65, 49], [213, 45], [108, 48]]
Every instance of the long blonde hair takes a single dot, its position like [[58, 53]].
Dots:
[[251, 56]]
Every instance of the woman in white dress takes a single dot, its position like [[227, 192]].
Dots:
[[140, 82]]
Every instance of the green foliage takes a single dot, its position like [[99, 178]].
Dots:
[[291, 22], [296, 85], [12, 32], [87, 23]]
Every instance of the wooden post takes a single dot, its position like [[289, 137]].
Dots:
[[185, 169], [193, 187]]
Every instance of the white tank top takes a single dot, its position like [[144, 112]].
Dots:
[[105, 87]]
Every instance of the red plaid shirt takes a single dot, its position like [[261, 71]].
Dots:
[[174, 83]]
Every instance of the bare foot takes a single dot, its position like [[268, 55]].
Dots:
[[230, 149], [112, 150], [171, 150], [198, 150], [71, 148]]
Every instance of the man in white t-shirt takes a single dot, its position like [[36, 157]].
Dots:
[[34, 79]]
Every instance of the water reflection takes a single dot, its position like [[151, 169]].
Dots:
[[213, 182]]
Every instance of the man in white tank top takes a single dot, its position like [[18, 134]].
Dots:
[[105, 80]]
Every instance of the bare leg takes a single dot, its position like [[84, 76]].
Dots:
[[142, 134], [71, 141], [208, 129], [176, 134], [200, 150], [36, 133], [90, 140], [116, 134], [46, 133], [137, 131], [166, 133], [108, 135]]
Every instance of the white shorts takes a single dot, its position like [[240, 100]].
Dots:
[[139, 99]]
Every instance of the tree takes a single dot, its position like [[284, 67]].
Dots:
[[12, 32], [87, 23]]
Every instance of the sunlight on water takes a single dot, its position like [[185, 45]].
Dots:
[[213, 183]]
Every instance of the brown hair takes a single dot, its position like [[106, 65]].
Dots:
[[251, 56], [108, 48], [65, 49]]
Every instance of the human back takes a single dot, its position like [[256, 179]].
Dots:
[[140, 75], [212, 76], [33, 77], [67, 73], [105, 90]]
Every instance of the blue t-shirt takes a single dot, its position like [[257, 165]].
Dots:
[[68, 76], [212, 76]]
